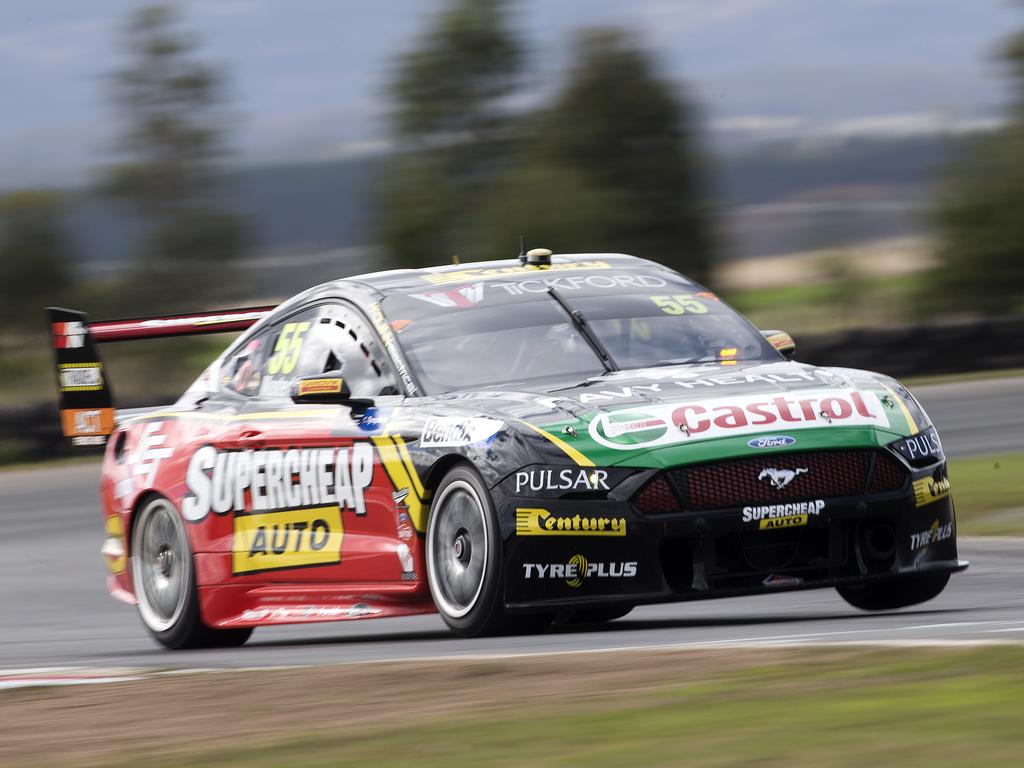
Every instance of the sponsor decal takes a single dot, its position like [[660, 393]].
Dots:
[[541, 522], [734, 416], [774, 580], [299, 613], [288, 538], [77, 422], [374, 419], [667, 381], [924, 445], [124, 488], [932, 535], [68, 335], [145, 460], [774, 516], [453, 431], [771, 441], [575, 479], [627, 429], [406, 561], [780, 478], [578, 570], [89, 440], [277, 388], [81, 377], [320, 387], [576, 282], [404, 527], [113, 549], [359, 610], [928, 490], [231, 317], [387, 336], [470, 275], [225, 481], [457, 298]]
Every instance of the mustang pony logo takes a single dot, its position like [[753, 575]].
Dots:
[[780, 478]]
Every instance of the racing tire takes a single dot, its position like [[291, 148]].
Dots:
[[600, 615], [898, 592], [163, 575], [463, 549]]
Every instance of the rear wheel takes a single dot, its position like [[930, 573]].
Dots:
[[464, 558], [164, 579], [897, 592]]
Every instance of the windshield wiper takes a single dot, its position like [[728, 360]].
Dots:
[[580, 323]]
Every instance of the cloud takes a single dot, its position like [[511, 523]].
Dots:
[[906, 124]]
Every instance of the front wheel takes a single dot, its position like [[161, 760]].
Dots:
[[164, 579], [897, 592], [464, 555]]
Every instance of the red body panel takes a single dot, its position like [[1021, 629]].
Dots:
[[252, 564]]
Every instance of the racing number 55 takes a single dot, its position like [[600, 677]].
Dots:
[[679, 304], [287, 349]]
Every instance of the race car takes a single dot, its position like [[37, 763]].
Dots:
[[507, 443]]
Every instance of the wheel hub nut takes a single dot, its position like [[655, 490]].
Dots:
[[461, 548]]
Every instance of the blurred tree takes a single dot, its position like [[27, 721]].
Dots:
[[981, 251], [34, 254], [627, 134], [173, 139], [452, 123]]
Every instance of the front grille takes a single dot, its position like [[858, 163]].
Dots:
[[745, 482]]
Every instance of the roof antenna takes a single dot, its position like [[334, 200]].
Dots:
[[522, 249]]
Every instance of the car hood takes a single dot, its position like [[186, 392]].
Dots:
[[674, 415]]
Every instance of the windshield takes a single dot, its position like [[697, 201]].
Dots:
[[503, 332]]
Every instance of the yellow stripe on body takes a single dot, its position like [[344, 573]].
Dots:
[[571, 452], [911, 424], [404, 476]]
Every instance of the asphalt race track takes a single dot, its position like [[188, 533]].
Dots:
[[54, 609]]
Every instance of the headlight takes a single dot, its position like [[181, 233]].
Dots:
[[922, 449]]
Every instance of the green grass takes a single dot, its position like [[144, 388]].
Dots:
[[808, 309], [908, 707], [989, 494]]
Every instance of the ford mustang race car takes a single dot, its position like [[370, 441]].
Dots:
[[506, 443]]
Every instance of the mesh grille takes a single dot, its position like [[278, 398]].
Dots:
[[657, 497], [887, 475], [743, 482]]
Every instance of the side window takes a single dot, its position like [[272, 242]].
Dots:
[[243, 371], [322, 339]]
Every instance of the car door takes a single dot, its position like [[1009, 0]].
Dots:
[[318, 504]]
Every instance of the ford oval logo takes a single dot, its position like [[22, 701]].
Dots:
[[771, 441]]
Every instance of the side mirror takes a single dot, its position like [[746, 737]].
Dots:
[[782, 342], [325, 388]]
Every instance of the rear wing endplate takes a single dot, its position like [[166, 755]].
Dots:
[[86, 398]]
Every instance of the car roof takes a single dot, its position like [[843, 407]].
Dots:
[[404, 280]]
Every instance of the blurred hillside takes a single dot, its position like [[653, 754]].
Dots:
[[314, 222]]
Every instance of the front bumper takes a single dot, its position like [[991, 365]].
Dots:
[[564, 553]]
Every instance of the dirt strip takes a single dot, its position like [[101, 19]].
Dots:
[[85, 724]]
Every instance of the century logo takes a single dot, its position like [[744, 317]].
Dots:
[[541, 522]]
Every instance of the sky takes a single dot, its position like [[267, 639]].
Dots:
[[306, 78]]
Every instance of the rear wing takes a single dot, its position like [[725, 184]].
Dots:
[[86, 398]]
